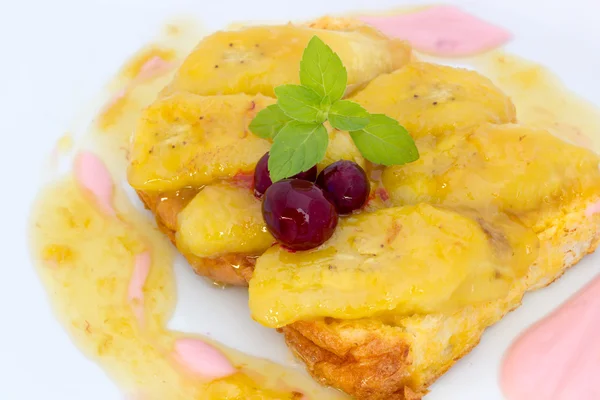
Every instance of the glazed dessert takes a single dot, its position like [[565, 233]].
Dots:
[[397, 279], [196, 134]]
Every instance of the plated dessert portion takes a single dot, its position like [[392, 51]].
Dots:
[[381, 257], [383, 211]]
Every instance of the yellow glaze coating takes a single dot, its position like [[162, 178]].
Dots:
[[256, 59], [511, 168], [401, 260], [436, 99], [190, 140], [223, 219]]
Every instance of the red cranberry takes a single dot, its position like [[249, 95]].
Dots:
[[298, 215], [262, 180], [346, 184]]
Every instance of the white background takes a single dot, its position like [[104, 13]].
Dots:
[[55, 56]]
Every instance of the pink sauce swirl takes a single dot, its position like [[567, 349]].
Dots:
[[442, 30], [135, 293], [202, 359], [92, 175], [592, 209], [153, 67], [559, 357]]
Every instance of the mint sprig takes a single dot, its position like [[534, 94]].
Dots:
[[300, 103], [295, 123], [269, 122], [322, 70], [386, 141], [297, 147]]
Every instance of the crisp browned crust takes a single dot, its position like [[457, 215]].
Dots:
[[229, 269], [373, 359], [371, 365]]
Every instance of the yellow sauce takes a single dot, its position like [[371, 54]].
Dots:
[[541, 99], [85, 259]]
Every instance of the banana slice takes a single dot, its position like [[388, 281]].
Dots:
[[341, 147], [510, 167], [436, 99], [190, 140], [256, 59], [223, 219], [397, 261]]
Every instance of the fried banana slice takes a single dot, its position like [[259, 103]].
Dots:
[[186, 140], [429, 99], [400, 260], [223, 219], [256, 59], [510, 167]]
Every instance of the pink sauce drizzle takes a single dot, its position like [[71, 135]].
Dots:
[[115, 98], [442, 30], [383, 194], [559, 357], [592, 209], [202, 359], [91, 174], [243, 179], [135, 295], [153, 67]]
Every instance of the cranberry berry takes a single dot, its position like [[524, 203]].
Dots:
[[262, 179], [346, 185], [298, 215]]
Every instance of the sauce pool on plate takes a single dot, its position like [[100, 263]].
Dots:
[[109, 270], [558, 358]]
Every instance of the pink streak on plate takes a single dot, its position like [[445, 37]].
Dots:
[[442, 30], [135, 294], [154, 66], [592, 209], [559, 357], [92, 175], [202, 359]]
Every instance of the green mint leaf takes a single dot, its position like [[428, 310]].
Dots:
[[348, 116], [300, 103], [268, 122], [297, 148], [322, 70], [384, 141]]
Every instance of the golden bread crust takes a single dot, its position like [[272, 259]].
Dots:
[[375, 360]]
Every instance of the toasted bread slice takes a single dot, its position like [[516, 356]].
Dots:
[[398, 359]]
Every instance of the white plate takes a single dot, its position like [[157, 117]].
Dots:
[[56, 56]]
